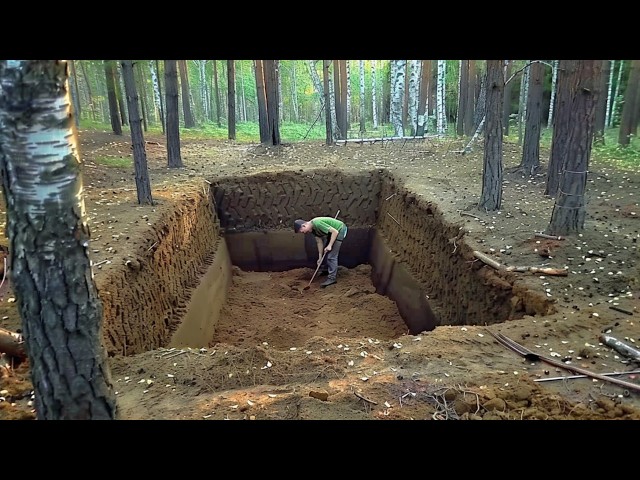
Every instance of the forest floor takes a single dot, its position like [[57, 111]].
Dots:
[[328, 358]]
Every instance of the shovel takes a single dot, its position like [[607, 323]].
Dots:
[[319, 263]]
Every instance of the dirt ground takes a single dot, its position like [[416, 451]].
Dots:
[[343, 352]]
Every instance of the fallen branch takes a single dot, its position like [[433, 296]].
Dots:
[[620, 347], [531, 356], [498, 266], [364, 398], [548, 379], [552, 237], [622, 310], [12, 344]]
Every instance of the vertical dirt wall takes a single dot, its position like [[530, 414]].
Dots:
[[461, 291], [145, 299]]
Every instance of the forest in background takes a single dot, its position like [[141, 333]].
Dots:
[[371, 95]]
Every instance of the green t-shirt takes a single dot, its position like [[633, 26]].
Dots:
[[320, 225]]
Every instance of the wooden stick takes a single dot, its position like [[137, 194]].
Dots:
[[618, 309], [365, 399], [12, 344], [489, 261], [552, 237]]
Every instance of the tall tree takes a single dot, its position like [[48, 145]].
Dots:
[[121, 103], [173, 113], [491, 198], [143, 186], [522, 102], [601, 107], [463, 81], [508, 87], [629, 119], [49, 243], [469, 124], [423, 100], [189, 120], [616, 96], [216, 89], [531, 148], [569, 212], [363, 124], [567, 80], [441, 99], [327, 101], [231, 99], [157, 88], [273, 101], [374, 95], [263, 118], [607, 120], [75, 94], [114, 115], [398, 69], [140, 87], [413, 95], [552, 99]]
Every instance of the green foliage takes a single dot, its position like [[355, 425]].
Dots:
[[620, 156]]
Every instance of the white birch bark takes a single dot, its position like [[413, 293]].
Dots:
[[607, 118], [334, 118], [615, 96], [348, 119], [156, 87], [440, 99], [363, 117], [554, 79], [294, 93], [374, 86], [522, 107], [414, 94], [397, 94]]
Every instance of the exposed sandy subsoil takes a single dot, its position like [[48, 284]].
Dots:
[[343, 352]]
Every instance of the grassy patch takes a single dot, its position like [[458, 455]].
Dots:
[[114, 162]]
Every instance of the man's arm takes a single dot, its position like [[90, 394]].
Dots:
[[320, 245], [334, 235]]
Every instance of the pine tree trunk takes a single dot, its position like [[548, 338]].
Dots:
[[173, 118]]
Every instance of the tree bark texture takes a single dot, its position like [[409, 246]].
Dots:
[[491, 198], [173, 119], [49, 242], [263, 118], [273, 100], [231, 99], [569, 210], [189, 120], [143, 185], [629, 119], [531, 147], [564, 94], [327, 101], [114, 114]]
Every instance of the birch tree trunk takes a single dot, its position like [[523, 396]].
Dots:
[[616, 98], [156, 91], [522, 106], [397, 95], [374, 88], [327, 101], [414, 94], [508, 87], [204, 91], [554, 79], [440, 100], [607, 119], [49, 244], [362, 102], [294, 93]]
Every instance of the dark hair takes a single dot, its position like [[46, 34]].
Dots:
[[297, 225]]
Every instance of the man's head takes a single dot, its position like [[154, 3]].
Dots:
[[300, 226]]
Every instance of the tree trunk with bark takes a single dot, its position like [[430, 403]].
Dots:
[[114, 114], [569, 210], [143, 186], [491, 198], [629, 119], [49, 244], [173, 114], [531, 148]]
